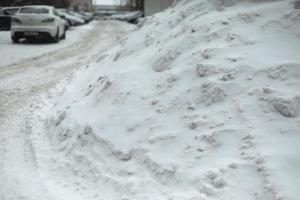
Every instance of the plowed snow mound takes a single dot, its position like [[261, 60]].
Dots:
[[200, 102]]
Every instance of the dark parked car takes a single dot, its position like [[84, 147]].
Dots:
[[5, 17], [73, 20]]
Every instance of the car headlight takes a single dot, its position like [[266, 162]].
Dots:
[[48, 20]]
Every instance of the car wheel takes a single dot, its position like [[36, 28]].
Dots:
[[64, 35], [56, 37], [15, 39]]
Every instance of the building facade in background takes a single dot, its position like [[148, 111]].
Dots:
[[56, 3], [86, 5], [153, 6], [149, 7]]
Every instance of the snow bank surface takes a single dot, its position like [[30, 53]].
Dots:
[[201, 102]]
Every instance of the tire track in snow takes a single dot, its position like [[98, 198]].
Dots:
[[24, 82], [54, 56]]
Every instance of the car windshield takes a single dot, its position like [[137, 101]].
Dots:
[[60, 12], [72, 13], [32, 10]]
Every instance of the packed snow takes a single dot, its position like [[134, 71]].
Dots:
[[200, 102], [23, 85]]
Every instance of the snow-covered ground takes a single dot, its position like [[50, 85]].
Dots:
[[23, 85], [200, 102]]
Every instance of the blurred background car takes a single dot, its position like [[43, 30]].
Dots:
[[66, 22], [33, 22], [5, 17], [78, 15], [88, 15], [73, 20], [129, 16]]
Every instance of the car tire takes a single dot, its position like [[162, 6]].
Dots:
[[64, 35], [15, 40], [56, 37]]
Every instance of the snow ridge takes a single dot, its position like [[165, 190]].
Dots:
[[200, 102]]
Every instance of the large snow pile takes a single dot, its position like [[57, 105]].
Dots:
[[201, 102]]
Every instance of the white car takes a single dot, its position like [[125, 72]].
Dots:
[[37, 22]]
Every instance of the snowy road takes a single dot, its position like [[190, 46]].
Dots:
[[18, 53], [27, 72]]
